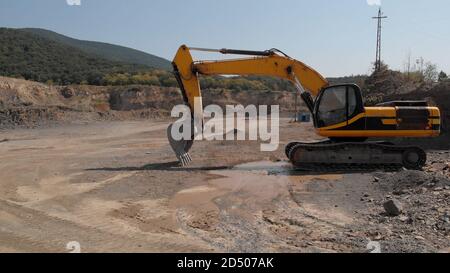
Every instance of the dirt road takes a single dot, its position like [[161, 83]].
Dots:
[[114, 187]]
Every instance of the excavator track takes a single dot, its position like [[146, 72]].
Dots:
[[354, 156]]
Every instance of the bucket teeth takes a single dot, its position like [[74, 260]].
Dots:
[[185, 159], [180, 147]]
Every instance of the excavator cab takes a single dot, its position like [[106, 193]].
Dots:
[[337, 104]]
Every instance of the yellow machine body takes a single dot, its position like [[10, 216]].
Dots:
[[396, 120]]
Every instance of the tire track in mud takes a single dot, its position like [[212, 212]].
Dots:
[[10, 243], [32, 227], [95, 214]]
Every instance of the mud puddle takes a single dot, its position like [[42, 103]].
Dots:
[[259, 182], [229, 211]]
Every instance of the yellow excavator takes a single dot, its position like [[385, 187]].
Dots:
[[338, 113]]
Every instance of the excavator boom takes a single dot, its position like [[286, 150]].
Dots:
[[265, 63]]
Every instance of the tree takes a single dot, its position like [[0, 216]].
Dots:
[[383, 67], [442, 76], [430, 73]]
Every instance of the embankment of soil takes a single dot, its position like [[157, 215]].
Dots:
[[28, 104]]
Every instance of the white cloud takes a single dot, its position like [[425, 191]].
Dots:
[[73, 2], [374, 2]]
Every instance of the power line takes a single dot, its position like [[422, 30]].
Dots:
[[380, 17]]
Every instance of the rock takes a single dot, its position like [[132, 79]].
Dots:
[[441, 209], [378, 234], [273, 158], [446, 218], [403, 218], [393, 207], [67, 92], [376, 179], [401, 192], [444, 251], [423, 190], [406, 219]]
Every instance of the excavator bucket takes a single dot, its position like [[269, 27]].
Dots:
[[180, 147]]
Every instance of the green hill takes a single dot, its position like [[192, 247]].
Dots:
[[32, 57], [107, 51], [45, 56]]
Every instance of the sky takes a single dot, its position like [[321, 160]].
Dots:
[[337, 38]]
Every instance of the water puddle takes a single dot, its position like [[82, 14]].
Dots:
[[251, 184], [283, 168], [272, 168]]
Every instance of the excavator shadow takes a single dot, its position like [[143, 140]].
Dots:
[[327, 172], [277, 169], [166, 166]]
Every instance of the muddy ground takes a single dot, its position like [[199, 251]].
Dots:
[[115, 187]]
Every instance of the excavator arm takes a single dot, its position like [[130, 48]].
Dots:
[[265, 63]]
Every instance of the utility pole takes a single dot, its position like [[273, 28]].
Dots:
[[408, 64], [380, 17]]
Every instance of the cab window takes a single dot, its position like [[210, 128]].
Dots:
[[336, 105], [333, 106]]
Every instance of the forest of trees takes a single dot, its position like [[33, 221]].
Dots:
[[24, 55], [106, 51], [166, 79]]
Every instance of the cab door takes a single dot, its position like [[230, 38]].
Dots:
[[336, 105]]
